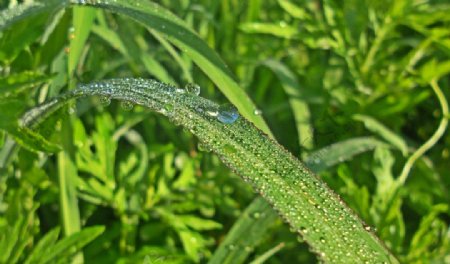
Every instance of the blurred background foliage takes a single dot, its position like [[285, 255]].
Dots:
[[320, 72]]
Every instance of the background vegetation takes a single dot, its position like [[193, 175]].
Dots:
[[142, 189]]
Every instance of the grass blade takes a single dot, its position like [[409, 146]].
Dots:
[[332, 230], [299, 107], [261, 259], [376, 127], [245, 233]]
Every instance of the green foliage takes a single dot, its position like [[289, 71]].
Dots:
[[358, 90]]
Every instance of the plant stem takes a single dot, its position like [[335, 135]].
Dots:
[[433, 139]]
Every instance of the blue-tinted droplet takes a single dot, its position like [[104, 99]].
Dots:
[[227, 114]]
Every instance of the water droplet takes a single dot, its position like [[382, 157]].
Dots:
[[227, 114], [256, 215], [203, 147], [127, 105], [248, 249], [71, 110], [168, 107], [178, 90], [192, 88], [212, 113], [231, 247], [105, 100], [229, 149], [257, 112]]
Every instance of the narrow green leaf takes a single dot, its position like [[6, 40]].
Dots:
[[338, 152], [73, 243], [299, 107], [44, 246], [245, 233], [303, 200], [281, 30], [82, 23], [293, 9], [261, 259]]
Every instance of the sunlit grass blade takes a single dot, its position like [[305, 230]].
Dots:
[[82, 23], [338, 152], [245, 234], [331, 229], [175, 30], [261, 259]]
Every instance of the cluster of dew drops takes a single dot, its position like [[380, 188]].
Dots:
[[226, 113]]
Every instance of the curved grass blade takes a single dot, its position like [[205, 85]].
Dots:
[[331, 229], [376, 127], [331, 155], [175, 30], [299, 107], [245, 234], [248, 229]]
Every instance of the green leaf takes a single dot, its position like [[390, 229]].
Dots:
[[261, 259], [384, 132], [43, 247], [281, 29], [247, 231], [198, 223], [82, 23], [293, 9], [299, 107], [297, 194], [324, 158]]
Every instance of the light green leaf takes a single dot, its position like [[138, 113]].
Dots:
[[293, 9], [42, 248], [384, 132], [281, 29], [299, 107], [73, 243]]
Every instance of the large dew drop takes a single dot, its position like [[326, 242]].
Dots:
[[127, 105], [227, 114], [105, 100], [192, 88]]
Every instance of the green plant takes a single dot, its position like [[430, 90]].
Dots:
[[168, 201]]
